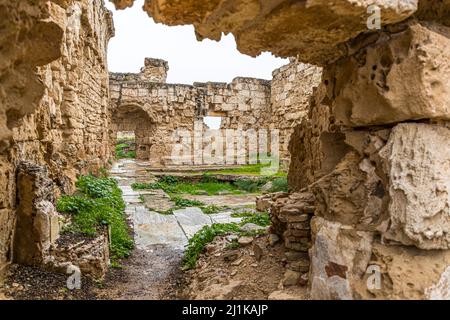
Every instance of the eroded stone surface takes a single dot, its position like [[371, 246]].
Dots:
[[402, 76], [323, 26], [339, 256], [417, 163]]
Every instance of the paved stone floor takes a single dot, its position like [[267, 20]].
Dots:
[[152, 228]]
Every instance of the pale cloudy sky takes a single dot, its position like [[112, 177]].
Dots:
[[137, 37]]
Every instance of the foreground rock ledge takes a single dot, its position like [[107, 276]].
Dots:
[[315, 30]]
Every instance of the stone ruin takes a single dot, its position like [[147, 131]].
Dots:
[[53, 114], [155, 111], [369, 165]]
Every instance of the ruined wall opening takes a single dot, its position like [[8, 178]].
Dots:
[[131, 128], [213, 122]]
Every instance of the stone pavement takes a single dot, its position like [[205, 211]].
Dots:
[[152, 228]]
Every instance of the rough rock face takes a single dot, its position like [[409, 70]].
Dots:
[[418, 52], [418, 185], [275, 25], [291, 91], [339, 256], [37, 224], [21, 89], [54, 107]]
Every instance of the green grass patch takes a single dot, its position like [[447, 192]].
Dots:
[[242, 214], [250, 169], [207, 234], [209, 188], [98, 203], [123, 150], [186, 203], [211, 209], [251, 185], [172, 185], [279, 185], [260, 219]]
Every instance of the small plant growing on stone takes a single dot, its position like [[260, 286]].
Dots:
[[98, 203]]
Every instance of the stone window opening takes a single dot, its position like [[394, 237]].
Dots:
[[213, 122], [126, 144]]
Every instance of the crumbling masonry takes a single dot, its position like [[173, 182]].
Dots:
[[369, 162], [53, 115], [372, 155], [156, 111]]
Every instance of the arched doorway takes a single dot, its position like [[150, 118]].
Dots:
[[132, 123]]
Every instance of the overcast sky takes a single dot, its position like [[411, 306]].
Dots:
[[137, 37]]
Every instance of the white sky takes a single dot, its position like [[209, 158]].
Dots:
[[137, 37]]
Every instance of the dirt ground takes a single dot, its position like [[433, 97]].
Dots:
[[147, 275], [251, 272]]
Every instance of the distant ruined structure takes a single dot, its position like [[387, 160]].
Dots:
[[369, 146], [249, 109]]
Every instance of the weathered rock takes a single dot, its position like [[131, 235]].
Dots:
[[323, 26], [339, 256], [402, 272], [273, 239], [245, 241], [258, 252], [251, 227], [374, 92], [418, 172], [344, 195], [301, 265], [53, 111], [291, 278], [230, 255]]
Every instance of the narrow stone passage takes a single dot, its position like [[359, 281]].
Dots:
[[154, 269]]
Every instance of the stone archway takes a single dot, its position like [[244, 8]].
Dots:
[[132, 118]]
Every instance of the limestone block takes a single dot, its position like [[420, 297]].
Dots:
[[323, 25], [400, 272], [404, 78], [339, 256], [349, 191], [415, 160]]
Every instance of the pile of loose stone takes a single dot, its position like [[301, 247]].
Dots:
[[290, 215]]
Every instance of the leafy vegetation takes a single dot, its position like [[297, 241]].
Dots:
[[172, 185], [209, 185], [279, 185], [251, 185], [207, 234], [251, 169], [211, 209], [261, 219], [124, 149], [98, 203], [185, 203]]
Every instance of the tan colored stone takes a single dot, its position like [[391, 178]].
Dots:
[[405, 273], [339, 256], [375, 92], [323, 26], [416, 162]]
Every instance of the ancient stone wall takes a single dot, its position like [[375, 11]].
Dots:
[[244, 105], [170, 108], [291, 90], [373, 151], [54, 92]]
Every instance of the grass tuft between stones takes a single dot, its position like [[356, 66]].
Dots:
[[99, 203], [207, 234]]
